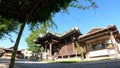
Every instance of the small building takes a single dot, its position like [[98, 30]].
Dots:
[[100, 42], [27, 54], [1, 51], [8, 53], [59, 45]]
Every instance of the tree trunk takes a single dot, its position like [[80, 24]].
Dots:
[[16, 45], [20, 33]]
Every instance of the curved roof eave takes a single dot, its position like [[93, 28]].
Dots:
[[105, 28], [59, 36]]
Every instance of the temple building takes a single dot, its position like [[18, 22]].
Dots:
[[59, 45], [8, 53], [100, 42]]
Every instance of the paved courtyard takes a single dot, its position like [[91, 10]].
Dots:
[[96, 64]]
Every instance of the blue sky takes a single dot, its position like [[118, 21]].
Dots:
[[107, 13]]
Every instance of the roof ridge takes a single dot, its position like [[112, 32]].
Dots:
[[97, 27], [109, 26], [73, 28], [57, 34]]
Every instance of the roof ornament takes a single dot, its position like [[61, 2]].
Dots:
[[47, 31], [111, 25], [76, 28], [40, 35]]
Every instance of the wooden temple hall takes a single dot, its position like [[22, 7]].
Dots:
[[59, 45], [98, 42]]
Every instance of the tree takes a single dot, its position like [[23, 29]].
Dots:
[[33, 13], [6, 29], [30, 41], [78, 48], [79, 51]]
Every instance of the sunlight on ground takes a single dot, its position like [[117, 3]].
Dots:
[[76, 60]]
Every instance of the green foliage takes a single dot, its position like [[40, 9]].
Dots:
[[34, 48], [7, 26], [43, 10], [33, 36], [42, 26], [78, 48], [30, 41], [42, 15], [82, 4]]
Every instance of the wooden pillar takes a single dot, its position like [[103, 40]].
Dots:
[[112, 38], [45, 48], [68, 56], [62, 56], [66, 46], [50, 48]]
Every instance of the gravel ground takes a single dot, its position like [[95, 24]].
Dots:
[[96, 64], [4, 65]]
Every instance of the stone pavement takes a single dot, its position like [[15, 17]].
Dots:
[[4, 65]]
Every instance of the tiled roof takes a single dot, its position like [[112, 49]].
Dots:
[[10, 48], [56, 36], [95, 29], [60, 35], [98, 29]]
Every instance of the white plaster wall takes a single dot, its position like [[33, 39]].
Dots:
[[27, 53], [102, 52], [112, 51]]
